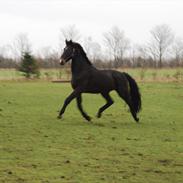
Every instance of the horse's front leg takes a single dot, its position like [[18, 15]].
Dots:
[[79, 104], [73, 95]]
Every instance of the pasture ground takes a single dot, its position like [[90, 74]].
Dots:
[[37, 147]]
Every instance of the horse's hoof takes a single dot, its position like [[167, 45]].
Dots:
[[59, 117], [98, 115], [137, 120], [88, 118]]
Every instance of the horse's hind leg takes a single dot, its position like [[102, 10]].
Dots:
[[108, 104], [124, 93], [79, 104]]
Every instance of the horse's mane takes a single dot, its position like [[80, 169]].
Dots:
[[78, 46]]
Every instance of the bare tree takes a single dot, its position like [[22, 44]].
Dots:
[[177, 50], [2, 51], [142, 53], [48, 57], [162, 37], [152, 52], [45, 52], [92, 48], [21, 45], [116, 43], [133, 54], [70, 32]]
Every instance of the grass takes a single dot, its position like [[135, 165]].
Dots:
[[45, 74], [157, 75], [37, 147]]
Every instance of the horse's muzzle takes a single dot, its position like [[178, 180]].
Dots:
[[62, 61]]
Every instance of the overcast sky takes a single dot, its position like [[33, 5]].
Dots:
[[42, 19]]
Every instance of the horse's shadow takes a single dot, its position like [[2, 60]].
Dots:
[[95, 122]]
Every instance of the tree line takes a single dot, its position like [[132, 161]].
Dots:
[[163, 49]]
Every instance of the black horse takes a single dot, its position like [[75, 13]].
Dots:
[[87, 79]]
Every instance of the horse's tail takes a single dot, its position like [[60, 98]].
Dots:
[[134, 92]]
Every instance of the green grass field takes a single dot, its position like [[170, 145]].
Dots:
[[36, 147]]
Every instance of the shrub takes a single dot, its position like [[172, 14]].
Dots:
[[177, 75], [29, 66]]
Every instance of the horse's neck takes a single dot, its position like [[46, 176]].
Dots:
[[79, 64]]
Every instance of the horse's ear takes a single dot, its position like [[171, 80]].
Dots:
[[66, 42], [70, 42]]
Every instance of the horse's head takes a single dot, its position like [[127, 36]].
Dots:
[[68, 53], [72, 50]]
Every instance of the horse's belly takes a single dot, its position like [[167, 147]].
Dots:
[[99, 85]]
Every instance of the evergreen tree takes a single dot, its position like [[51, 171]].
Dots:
[[29, 65]]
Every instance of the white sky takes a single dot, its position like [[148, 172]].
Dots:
[[42, 19]]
